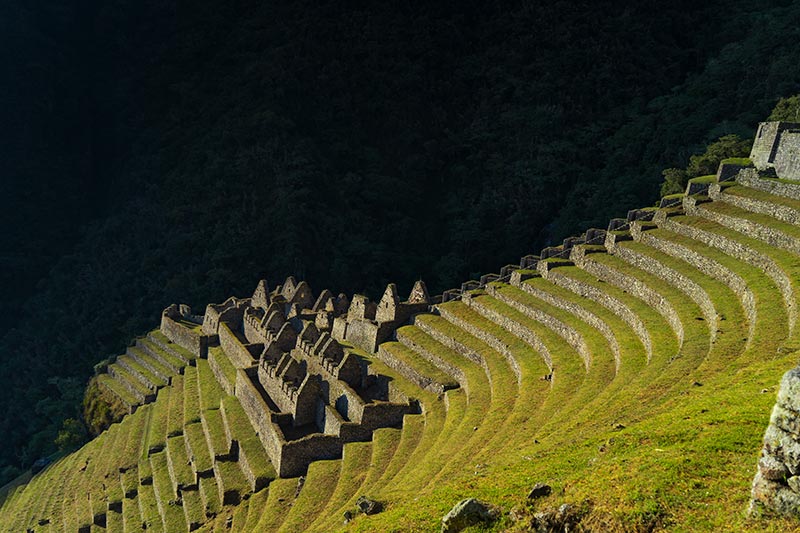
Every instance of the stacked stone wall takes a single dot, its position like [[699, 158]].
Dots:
[[749, 177], [495, 343], [576, 310], [238, 353], [435, 360], [746, 254], [609, 302], [184, 337], [691, 289], [776, 486], [712, 269], [638, 289]]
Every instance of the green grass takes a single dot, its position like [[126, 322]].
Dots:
[[135, 367], [191, 397], [280, 499], [209, 494], [148, 509], [711, 178], [116, 388], [214, 429], [180, 468], [175, 408], [321, 478], [218, 356], [249, 444], [210, 391], [743, 161], [147, 360], [419, 364], [164, 357], [157, 427], [202, 460], [354, 465], [193, 509]]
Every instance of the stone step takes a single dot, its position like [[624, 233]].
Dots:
[[171, 348], [165, 358], [778, 207], [131, 384], [155, 366], [414, 368], [166, 496], [115, 388], [761, 227], [252, 456], [145, 376], [776, 265], [646, 259], [436, 353]]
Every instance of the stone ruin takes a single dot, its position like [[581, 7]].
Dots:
[[777, 147], [303, 373]]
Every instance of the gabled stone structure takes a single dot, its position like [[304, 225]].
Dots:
[[367, 324], [305, 393]]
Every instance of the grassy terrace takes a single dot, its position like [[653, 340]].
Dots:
[[219, 357], [762, 196], [763, 222], [662, 441], [152, 346], [632, 355], [152, 363], [771, 326], [210, 391], [142, 373], [789, 264], [419, 364], [250, 446], [170, 347]]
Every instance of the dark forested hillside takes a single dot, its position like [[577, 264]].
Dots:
[[174, 151]]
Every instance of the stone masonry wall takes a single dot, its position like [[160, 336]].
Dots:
[[744, 253], [486, 337], [711, 268], [776, 486], [609, 302], [749, 177], [574, 309], [639, 290], [184, 337], [561, 329], [691, 289]]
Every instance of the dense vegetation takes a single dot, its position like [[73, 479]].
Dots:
[[165, 152]]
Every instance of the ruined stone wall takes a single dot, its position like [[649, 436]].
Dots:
[[776, 486], [184, 337], [238, 353], [437, 361], [787, 159], [749, 177]]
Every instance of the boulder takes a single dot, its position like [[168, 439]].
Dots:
[[540, 490], [466, 513], [368, 506]]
